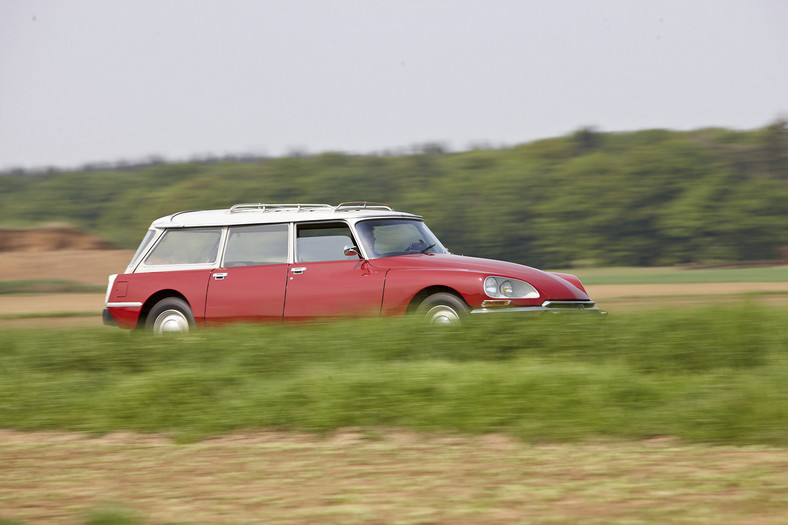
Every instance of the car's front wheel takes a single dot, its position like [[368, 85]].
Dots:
[[171, 315], [443, 309]]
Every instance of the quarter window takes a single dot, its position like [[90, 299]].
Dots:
[[143, 245], [187, 246], [256, 245]]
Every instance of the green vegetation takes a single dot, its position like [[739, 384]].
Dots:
[[645, 198], [47, 286], [113, 516], [51, 315], [715, 375]]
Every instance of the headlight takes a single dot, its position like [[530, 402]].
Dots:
[[502, 287]]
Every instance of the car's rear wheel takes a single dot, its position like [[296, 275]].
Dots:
[[443, 309], [170, 316]]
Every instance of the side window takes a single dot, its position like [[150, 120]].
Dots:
[[323, 242], [186, 246], [256, 245]]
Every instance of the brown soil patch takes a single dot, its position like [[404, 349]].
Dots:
[[389, 477], [48, 239], [59, 323], [82, 266], [51, 303]]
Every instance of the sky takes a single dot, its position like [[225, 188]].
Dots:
[[92, 81]]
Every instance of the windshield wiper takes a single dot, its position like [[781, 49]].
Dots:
[[428, 248]]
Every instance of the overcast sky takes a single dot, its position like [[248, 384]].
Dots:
[[96, 80]]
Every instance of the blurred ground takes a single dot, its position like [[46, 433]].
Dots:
[[82, 266], [373, 476], [90, 267], [388, 477], [622, 298]]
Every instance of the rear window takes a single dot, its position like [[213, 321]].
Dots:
[[189, 246]]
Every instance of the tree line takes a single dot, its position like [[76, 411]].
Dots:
[[644, 198]]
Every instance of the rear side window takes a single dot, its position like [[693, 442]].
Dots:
[[186, 246], [256, 245], [323, 242]]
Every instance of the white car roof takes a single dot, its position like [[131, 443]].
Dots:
[[260, 213]]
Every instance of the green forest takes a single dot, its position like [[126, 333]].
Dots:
[[644, 198]]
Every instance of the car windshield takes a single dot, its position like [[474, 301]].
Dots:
[[389, 237]]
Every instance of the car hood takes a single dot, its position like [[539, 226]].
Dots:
[[550, 286]]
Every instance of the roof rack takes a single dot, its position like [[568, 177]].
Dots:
[[362, 205], [278, 207], [345, 206]]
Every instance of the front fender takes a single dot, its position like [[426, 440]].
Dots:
[[402, 285]]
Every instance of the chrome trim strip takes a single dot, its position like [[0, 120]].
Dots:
[[133, 304], [538, 310], [564, 304]]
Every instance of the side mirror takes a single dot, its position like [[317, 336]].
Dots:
[[351, 251]]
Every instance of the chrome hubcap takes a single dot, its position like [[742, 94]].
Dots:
[[443, 316], [170, 321]]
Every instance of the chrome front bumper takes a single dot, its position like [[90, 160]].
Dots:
[[547, 307]]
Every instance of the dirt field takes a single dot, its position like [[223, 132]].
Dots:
[[82, 266], [48, 238], [89, 267], [391, 477]]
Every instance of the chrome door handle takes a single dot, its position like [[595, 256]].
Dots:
[[219, 276], [299, 270]]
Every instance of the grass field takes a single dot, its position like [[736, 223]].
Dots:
[[712, 375], [657, 415], [672, 416]]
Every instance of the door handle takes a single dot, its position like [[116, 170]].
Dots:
[[299, 270], [219, 276]]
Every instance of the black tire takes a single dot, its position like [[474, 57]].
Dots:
[[443, 309], [170, 315]]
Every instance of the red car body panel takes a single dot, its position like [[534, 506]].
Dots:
[[352, 288], [410, 274], [572, 280], [246, 293]]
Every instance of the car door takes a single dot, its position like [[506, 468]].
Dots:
[[250, 284], [324, 282]]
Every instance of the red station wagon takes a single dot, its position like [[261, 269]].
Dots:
[[289, 262]]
